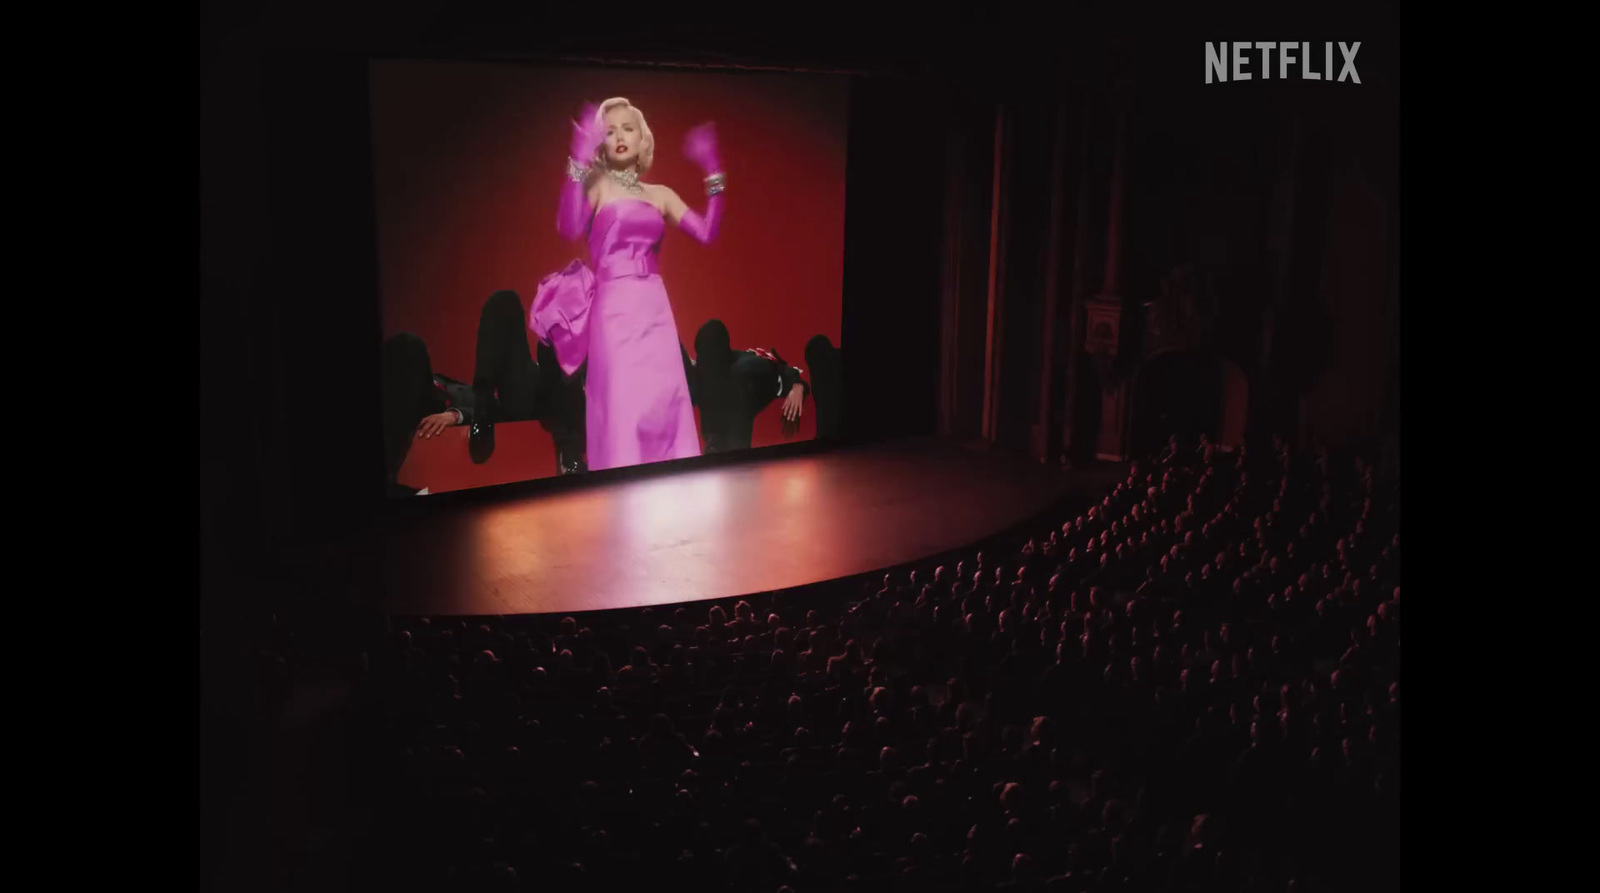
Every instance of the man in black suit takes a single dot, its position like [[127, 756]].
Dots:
[[416, 403], [508, 385], [733, 387]]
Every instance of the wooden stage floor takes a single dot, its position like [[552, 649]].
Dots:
[[713, 533]]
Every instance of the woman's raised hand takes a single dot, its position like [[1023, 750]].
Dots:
[[700, 145], [588, 133]]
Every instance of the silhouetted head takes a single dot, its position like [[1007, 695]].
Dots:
[[1011, 797], [712, 345], [821, 354]]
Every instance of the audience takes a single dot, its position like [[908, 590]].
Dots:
[[1191, 686]]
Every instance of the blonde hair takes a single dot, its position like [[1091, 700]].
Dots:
[[647, 148]]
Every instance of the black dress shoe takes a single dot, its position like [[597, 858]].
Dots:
[[480, 442], [570, 465]]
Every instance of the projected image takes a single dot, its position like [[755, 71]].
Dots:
[[572, 282]]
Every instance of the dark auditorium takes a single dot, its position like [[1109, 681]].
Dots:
[[1019, 510]]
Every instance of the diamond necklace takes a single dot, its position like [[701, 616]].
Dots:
[[627, 179]]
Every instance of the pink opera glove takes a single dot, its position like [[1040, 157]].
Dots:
[[700, 145], [703, 229], [573, 214], [588, 134]]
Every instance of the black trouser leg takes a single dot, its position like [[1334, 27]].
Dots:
[[562, 405], [741, 431], [826, 402], [728, 433], [505, 379], [408, 395], [825, 363]]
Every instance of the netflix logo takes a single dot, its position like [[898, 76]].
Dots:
[[1233, 61]]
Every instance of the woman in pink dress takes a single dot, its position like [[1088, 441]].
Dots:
[[614, 313]]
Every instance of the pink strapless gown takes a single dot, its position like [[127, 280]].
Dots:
[[637, 406]]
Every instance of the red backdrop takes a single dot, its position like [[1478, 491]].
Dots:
[[469, 160]]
